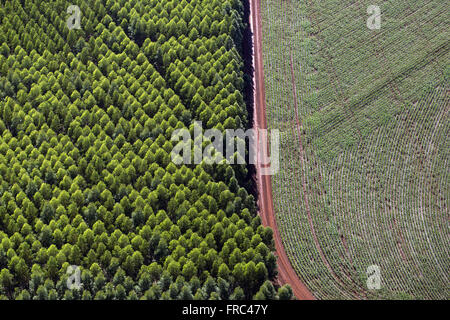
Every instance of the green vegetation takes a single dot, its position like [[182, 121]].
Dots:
[[86, 178], [374, 125]]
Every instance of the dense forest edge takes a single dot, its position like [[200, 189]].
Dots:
[[87, 186]]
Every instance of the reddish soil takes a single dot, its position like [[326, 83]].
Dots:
[[286, 274]]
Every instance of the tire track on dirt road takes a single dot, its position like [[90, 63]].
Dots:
[[286, 273]]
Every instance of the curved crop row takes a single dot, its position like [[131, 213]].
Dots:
[[372, 110]]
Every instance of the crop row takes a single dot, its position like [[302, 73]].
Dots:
[[375, 174]]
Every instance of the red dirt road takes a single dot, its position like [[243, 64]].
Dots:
[[286, 273]]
